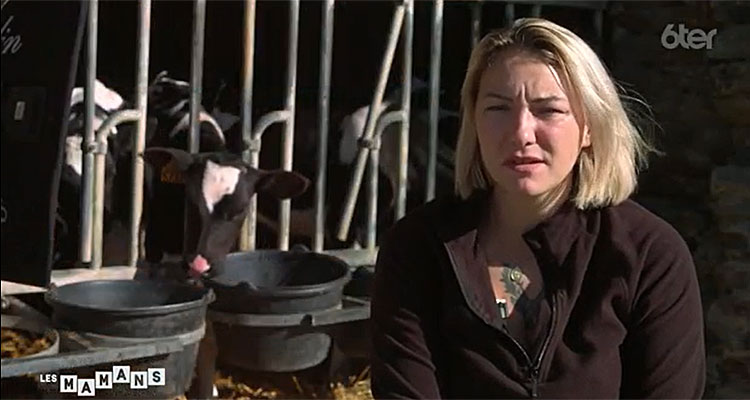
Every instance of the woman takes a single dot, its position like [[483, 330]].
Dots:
[[541, 279]]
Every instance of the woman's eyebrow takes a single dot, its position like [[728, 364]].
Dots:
[[545, 99], [542, 99], [498, 96]]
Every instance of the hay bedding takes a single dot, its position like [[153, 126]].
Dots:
[[21, 343], [231, 384], [247, 385], [18, 343]]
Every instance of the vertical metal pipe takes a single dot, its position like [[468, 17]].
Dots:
[[435, 54], [196, 73], [374, 167], [375, 106], [285, 206], [102, 136], [536, 10], [599, 28], [196, 89], [406, 107], [97, 234], [476, 22], [139, 139], [89, 99], [326, 50], [510, 14], [247, 237], [372, 199]]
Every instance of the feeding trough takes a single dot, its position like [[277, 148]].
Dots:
[[126, 313], [24, 338], [279, 282], [273, 307]]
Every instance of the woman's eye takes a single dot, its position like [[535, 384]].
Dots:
[[498, 108], [552, 110]]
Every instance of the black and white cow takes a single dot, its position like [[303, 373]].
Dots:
[[167, 126], [218, 187]]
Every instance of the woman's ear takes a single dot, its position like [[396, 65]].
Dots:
[[586, 138]]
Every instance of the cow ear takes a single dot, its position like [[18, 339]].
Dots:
[[160, 156], [279, 183]]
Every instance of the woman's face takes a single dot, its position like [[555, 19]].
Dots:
[[529, 137]]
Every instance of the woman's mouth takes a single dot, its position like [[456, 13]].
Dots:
[[523, 164]]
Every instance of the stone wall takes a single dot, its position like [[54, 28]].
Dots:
[[701, 101]]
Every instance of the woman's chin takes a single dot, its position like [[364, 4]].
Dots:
[[524, 187]]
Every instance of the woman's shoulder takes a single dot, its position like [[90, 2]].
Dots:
[[439, 219], [638, 223], [635, 230]]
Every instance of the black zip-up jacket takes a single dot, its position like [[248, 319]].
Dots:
[[626, 318]]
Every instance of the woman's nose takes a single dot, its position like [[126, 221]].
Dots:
[[523, 127]]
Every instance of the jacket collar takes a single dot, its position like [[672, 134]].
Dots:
[[553, 241], [555, 235]]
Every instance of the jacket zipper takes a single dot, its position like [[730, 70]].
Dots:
[[535, 368]]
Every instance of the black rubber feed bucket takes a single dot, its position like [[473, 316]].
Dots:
[[279, 282], [126, 311], [267, 290], [127, 308]]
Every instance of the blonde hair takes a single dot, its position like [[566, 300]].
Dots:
[[606, 170]]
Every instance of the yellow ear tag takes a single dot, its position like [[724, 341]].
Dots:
[[171, 174]]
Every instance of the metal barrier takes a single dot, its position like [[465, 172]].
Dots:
[[95, 143], [286, 116]]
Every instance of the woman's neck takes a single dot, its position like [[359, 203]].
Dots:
[[512, 214]]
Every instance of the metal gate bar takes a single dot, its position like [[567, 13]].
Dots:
[[287, 142], [406, 108], [436, 46], [196, 73], [247, 233], [366, 139], [476, 22], [139, 141], [95, 143], [326, 50], [196, 96], [286, 116], [87, 176]]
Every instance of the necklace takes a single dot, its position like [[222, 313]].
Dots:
[[511, 279]]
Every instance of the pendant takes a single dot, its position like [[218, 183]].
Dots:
[[516, 274], [503, 307]]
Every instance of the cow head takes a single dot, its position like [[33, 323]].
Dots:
[[218, 187]]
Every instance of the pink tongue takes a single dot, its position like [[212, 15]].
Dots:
[[199, 266]]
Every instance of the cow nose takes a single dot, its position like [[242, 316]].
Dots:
[[199, 265]]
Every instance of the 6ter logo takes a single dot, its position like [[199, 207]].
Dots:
[[687, 38]]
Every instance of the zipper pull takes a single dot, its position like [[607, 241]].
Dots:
[[534, 389], [534, 383], [502, 307]]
